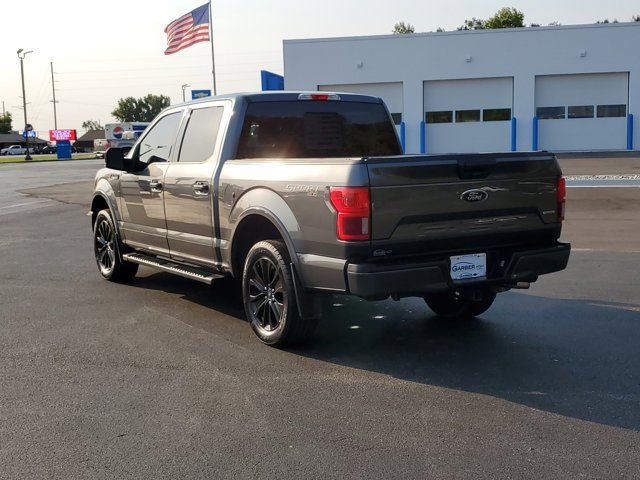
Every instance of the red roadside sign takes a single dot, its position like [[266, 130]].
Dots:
[[62, 135]]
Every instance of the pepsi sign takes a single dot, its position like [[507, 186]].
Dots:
[[117, 132]]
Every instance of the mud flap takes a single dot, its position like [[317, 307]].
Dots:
[[309, 304]]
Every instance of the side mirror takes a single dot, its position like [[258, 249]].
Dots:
[[114, 158], [155, 159]]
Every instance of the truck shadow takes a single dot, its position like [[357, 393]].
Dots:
[[576, 358]]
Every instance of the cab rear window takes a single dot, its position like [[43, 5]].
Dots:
[[308, 129]]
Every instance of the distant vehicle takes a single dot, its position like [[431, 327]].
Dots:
[[48, 150], [13, 150], [300, 194], [117, 134], [100, 145]]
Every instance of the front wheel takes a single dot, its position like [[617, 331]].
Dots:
[[269, 297], [105, 246], [454, 305]]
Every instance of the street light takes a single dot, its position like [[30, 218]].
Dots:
[[184, 87], [21, 55]]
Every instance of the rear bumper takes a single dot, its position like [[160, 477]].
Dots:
[[377, 280]]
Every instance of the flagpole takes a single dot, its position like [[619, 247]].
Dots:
[[213, 55]]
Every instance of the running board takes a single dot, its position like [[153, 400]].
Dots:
[[186, 271]]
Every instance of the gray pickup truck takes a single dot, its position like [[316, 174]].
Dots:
[[305, 194]]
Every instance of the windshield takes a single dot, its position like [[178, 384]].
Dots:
[[308, 129]]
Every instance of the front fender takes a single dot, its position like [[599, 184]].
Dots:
[[104, 190]]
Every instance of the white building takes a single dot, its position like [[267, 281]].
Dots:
[[549, 88]]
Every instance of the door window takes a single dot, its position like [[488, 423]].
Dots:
[[551, 113], [496, 115], [463, 116], [156, 144], [580, 111], [606, 111], [439, 117], [200, 137]]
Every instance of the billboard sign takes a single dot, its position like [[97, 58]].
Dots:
[[62, 135], [29, 133], [197, 94], [114, 131]]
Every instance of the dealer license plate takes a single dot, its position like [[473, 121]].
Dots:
[[469, 266]]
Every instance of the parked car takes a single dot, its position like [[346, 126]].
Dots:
[[304, 194], [47, 150], [100, 145], [13, 150]]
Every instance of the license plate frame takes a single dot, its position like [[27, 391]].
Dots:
[[469, 266]]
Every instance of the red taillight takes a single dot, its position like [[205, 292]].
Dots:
[[354, 210], [561, 196]]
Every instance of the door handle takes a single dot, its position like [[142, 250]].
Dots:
[[201, 188], [155, 186]]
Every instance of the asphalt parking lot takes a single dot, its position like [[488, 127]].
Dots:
[[164, 379]]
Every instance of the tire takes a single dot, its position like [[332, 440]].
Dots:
[[451, 305], [106, 248], [269, 297]]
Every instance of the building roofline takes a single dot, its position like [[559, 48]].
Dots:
[[497, 31]]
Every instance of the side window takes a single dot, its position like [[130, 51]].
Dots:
[[200, 137], [159, 140]]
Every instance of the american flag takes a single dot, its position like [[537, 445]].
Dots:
[[187, 30]]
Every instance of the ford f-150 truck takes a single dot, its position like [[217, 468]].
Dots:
[[305, 194]]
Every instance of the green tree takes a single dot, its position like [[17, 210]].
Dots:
[[402, 28], [92, 125], [142, 109], [5, 123], [473, 24], [504, 18]]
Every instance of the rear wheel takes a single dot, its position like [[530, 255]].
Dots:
[[105, 246], [269, 297], [454, 305]]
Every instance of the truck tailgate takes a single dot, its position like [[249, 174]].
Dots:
[[441, 202]]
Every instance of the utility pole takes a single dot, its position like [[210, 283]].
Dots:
[[3, 110], [53, 86], [21, 55], [213, 54]]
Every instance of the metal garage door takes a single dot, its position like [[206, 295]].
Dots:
[[582, 112], [391, 93], [471, 115]]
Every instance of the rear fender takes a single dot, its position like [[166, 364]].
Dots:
[[268, 204]]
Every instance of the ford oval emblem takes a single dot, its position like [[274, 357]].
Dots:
[[475, 195]]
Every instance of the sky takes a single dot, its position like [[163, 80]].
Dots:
[[104, 50]]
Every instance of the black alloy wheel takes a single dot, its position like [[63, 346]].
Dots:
[[104, 246], [266, 294], [106, 249], [269, 296]]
